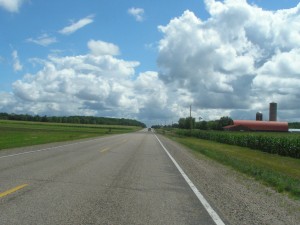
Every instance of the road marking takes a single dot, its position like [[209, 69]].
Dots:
[[57, 147], [42, 150], [104, 150], [201, 198], [10, 191]]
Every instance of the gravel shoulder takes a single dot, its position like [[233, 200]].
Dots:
[[236, 198]]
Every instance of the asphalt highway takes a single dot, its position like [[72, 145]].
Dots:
[[120, 179]]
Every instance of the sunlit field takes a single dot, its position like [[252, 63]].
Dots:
[[17, 134], [280, 172]]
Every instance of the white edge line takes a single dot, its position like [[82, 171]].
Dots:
[[45, 149], [201, 198]]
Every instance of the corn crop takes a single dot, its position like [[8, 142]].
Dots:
[[284, 144]]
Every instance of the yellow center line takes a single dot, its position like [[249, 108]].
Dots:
[[104, 150], [10, 191]]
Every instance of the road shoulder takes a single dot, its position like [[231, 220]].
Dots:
[[241, 200]]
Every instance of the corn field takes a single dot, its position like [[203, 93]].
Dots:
[[284, 144]]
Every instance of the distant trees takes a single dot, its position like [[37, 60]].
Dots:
[[294, 125], [184, 123], [202, 125], [224, 121], [72, 119]]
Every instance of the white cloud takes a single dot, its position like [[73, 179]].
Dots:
[[137, 13], [103, 48], [280, 78], [241, 55], [152, 96], [43, 40], [234, 63], [83, 85], [17, 66], [90, 84], [11, 5], [77, 25]]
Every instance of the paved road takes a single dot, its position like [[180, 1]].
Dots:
[[122, 179]]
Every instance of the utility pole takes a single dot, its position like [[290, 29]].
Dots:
[[191, 124]]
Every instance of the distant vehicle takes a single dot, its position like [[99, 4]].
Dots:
[[149, 129]]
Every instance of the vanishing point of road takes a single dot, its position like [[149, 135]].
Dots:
[[121, 179]]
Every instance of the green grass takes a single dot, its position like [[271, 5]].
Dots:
[[18, 134], [281, 173], [281, 143]]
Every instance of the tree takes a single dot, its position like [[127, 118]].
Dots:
[[44, 119], [224, 121], [181, 123], [202, 125], [185, 123], [189, 123]]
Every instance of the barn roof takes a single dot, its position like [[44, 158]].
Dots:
[[259, 125]]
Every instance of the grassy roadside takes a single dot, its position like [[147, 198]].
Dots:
[[18, 134], [281, 173]]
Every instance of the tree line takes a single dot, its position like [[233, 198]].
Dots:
[[72, 119], [190, 122], [294, 125]]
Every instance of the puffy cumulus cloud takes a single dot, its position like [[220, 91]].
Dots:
[[90, 84], [152, 95], [11, 5], [233, 63], [280, 74], [239, 56], [103, 48]]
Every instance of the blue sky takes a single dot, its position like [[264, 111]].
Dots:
[[150, 60], [111, 23]]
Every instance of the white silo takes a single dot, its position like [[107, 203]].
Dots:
[[273, 111]]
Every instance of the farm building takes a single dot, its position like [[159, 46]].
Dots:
[[251, 125], [259, 125]]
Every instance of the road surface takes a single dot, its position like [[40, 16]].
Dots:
[[121, 179]]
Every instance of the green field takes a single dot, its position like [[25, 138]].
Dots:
[[18, 134], [281, 143], [281, 173]]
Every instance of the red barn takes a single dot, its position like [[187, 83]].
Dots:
[[252, 125]]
